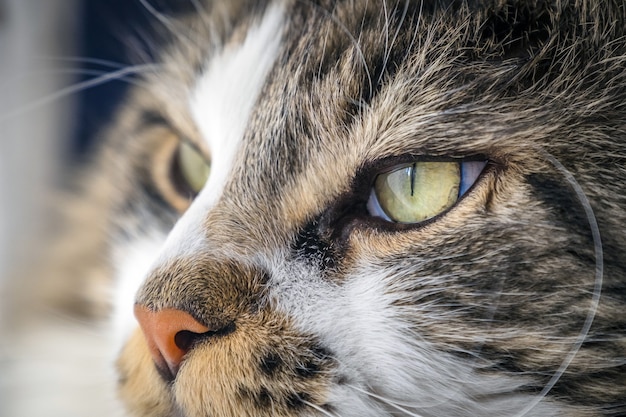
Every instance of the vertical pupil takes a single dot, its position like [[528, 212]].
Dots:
[[412, 174]]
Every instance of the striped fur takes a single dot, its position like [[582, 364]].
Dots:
[[510, 304]]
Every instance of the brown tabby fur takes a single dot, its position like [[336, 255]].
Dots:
[[502, 283]]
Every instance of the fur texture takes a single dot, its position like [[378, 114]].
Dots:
[[511, 303]]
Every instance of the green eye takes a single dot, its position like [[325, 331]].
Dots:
[[194, 168], [419, 191]]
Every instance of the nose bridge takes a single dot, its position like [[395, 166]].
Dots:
[[208, 265], [213, 291], [234, 225]]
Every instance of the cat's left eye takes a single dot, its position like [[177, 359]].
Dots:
[[186, 172], [193, 166], [415, 192], [178, 165]]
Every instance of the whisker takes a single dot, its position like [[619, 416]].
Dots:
[[389, 44], [385, 401], [83, 60], [417, 27], [597, 289], [75, 88], [167, 23], [325, 44], [202, 12], [386, 30], [318, 408], [66, 71]]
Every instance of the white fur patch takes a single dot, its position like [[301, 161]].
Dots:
[[221, 104], [226, 93], [389, 369], [133, 261]]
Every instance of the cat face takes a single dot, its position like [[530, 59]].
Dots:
[[376, 208]]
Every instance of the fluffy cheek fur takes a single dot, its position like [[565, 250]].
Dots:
[[264, 368]]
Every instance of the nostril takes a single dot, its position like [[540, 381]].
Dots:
[[170, 335], [185, 339]]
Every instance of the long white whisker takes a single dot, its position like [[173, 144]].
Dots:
[[386, 29], [319, 70], [167, 23], [389, 44], [83, 60], [385, 401], [417, 26], [597, 288], [66, 71], [344, 29], [320, 409], [67, 91]]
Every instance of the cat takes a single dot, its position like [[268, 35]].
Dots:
[[372, 208]]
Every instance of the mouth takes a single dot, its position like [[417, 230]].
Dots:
[[167, 373], [178, 413]]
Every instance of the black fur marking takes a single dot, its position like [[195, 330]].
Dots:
[[321, 353], [312, 246], [149, 202], [382, 67], [265, 399], [575, 388], [566, 208], [517, 29], [308, 370], [270, 363], [296, 400], [262, 398], [165, 373]]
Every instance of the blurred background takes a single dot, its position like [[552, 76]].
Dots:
[[56, 94]]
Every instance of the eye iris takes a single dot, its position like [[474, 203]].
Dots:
[[418, 191], [194, 167]]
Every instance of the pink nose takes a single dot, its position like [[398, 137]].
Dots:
[[170, 334]]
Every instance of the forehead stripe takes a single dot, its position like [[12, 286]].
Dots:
[[221, 104], [226, 93]]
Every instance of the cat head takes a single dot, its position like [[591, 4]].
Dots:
[[363, 208]]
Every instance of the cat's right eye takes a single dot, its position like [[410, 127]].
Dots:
[[415, 192]]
